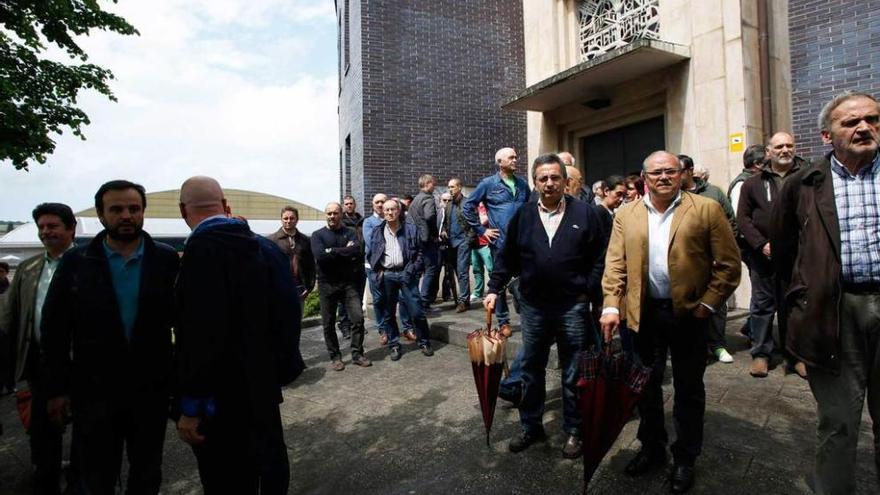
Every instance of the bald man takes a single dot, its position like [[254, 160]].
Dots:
[[756, 201], [574, 186], [237, 340]]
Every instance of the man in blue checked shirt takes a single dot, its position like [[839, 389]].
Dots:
[[825, 233]]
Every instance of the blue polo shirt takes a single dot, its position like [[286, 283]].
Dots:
[[126, 275]]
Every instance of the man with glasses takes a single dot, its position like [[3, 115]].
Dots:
[[672, 262], [557, 247]]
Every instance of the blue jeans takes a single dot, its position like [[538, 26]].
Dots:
[[463, 270], [379, 310], [571, 327], [481, 259], [431, 255], [398, 286], [502, 312]]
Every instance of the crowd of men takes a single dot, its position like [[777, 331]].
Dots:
[[653, 256]]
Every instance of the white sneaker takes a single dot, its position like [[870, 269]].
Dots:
[[475, 299], [723, 356]]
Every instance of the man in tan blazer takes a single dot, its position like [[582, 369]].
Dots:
[[672, 262]]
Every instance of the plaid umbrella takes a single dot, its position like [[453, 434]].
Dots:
[[610, 385], [486, 350]]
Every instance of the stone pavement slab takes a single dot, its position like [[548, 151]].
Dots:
[[414, 427]]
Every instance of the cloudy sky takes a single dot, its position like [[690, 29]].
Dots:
[[242, 90]]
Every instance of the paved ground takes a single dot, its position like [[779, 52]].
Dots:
[[414, 427]]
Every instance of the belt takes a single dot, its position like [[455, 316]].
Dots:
[[660, 303], [862, 288], [395, 269]]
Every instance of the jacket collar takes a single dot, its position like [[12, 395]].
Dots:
[[819, 177]]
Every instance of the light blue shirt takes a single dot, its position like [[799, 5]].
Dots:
[[50, 265], [126, 275]]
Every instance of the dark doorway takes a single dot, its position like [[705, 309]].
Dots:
[[621, 151]]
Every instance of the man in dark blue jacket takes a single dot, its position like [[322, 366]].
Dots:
[[503, 194], [557, 247], [106, 341], [396, 261], [237, 340]]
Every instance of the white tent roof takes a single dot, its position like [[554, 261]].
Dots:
[[26, 235]]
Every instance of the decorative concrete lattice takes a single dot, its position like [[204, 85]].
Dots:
[[609, 24]]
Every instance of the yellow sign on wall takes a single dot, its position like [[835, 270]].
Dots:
[[737, 142]]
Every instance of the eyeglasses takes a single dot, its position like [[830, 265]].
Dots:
[[671, 172]]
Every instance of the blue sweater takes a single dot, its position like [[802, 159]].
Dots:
[[560, 274]]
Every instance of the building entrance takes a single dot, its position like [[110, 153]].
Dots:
[[621, 151]]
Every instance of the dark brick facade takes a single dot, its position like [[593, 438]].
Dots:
[[423, 91], [835, 46]]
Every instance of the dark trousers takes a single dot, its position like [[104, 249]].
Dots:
[[448, 290], [344, 320], [398, 287], [840, 398], [428, 291], [570, 326], [243, 459], [46, 444], [717, 323], [661, 332], [102, 430], [331, 294]]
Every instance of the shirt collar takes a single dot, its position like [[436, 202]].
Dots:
[[647, 200], [559, 208], [843, 172], [49, 259], [138, 253]]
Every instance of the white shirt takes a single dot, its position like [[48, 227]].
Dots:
[[393, 256], [50, 264], [659, 227]]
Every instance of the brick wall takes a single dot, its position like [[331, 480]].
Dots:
[[432, 78], [835, 46]]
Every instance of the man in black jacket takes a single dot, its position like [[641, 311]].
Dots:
[[106, 338], [340, 261], [237, 342], [423, 213], [557, 247], [757, 197]]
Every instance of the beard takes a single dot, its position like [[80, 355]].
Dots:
[[117, 234]]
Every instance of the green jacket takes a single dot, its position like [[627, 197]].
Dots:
[[714, 192], [17, 314]]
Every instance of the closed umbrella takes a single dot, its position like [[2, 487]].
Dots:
[[486, 350], [610, 385]]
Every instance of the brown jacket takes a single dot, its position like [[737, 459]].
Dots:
[[805, 235], [704, 262], [17, 312]]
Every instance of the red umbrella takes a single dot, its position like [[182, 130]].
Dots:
[[610, 385], [486, 350]]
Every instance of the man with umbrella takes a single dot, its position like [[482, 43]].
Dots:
[[556, 246], [673, 260]]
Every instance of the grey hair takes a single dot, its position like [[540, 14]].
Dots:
[[657, 153], [701, 171], [824, 120], [426, 179], [498, 153]]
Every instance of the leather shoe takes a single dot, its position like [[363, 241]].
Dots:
[[525, 440], [505, 330], [644, 462], [759, 368], [682, 478], [462, 307], [513, 396], [337, 365], [573, 447], [361, 361], [427, 350], [395, 353], [409, 335]]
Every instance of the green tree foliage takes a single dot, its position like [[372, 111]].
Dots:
[[37, 95]]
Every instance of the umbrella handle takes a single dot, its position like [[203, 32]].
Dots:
[[488, 320]]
